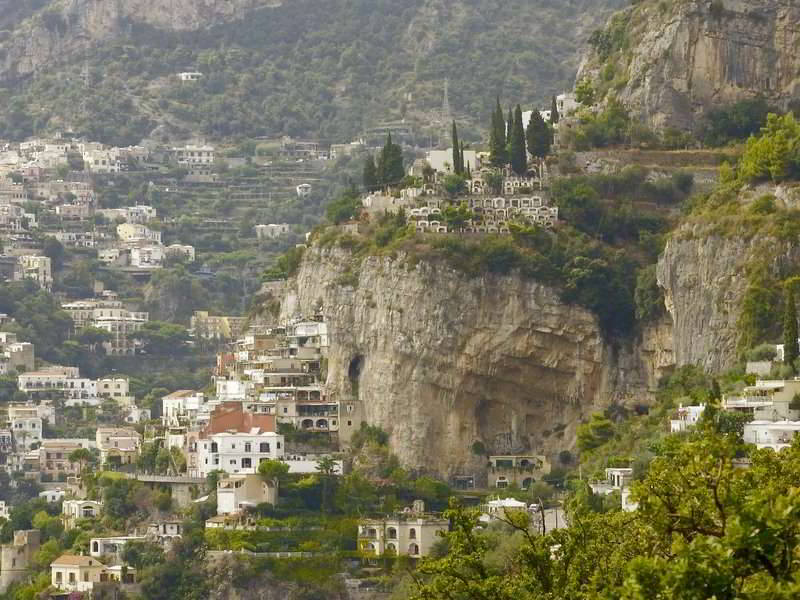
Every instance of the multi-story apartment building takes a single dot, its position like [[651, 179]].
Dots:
[[119, 445], [410, 534], [111, 316], [133, 232], [15, 355], [236, 441], [26, 426], [38, 269], [54, 455], [211, 327], [59, 382]]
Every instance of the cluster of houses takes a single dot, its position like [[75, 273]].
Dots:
[[772, 407]]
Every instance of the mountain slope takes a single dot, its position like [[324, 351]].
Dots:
[[327, 69]]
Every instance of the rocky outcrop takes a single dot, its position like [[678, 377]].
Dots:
[[703, 272], [441, 360], [64, 27], [681, 58]]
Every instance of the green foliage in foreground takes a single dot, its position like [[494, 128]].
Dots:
[[705, 529]]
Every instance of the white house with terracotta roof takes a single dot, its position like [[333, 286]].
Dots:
[[75, 573]]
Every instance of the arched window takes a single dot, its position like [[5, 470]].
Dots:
[[413, 550], [412, 534], [391, 533]]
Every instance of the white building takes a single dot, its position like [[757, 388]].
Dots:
[[111, 316], [686, 418], [236, 493], [74, 510], [238, 452], [771, 434], [118, 445], [26, 426], [59, 382], [54, 496], [112, 546], [180, 250], [408, 534], [147, 256], [103, 160], [567, 104], [617, 478], [74, 573], [135, 232], [181, 407], [272, 231], [442, 160], [38, 269], [767, 400], [190, 76]]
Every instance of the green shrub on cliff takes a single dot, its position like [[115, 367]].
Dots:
[[775, 154]]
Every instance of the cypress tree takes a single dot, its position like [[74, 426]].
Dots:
[[519, 158], [509, 129], [790, 349], [457, 160], [390, 168], [538, 136], [464, 168], [554, 116], [497, 138], [370, 174]]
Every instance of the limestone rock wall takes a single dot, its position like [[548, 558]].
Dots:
[[441, 360], [686, 57]]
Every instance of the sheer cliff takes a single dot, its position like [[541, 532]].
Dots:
[[668, 62], [722, 274], [441, 360]]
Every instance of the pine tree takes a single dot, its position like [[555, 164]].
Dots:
[[370, 174], [554, 116], [458, 167], [538, 136], [519, 158], [790, 349], [497, 138]]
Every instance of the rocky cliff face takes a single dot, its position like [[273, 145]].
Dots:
[[442, 361], [703, 272], [64, 27], [681, 58]]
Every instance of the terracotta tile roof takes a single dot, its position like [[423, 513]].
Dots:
[[76, 560]]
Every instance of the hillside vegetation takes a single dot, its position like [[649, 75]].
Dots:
[[311, 69]]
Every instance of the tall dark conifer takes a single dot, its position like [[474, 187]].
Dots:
[[370, 174], [790, 349], [519, 158], [554, 116], [458, 166], [509, 129], [538, 135], [497, 138]]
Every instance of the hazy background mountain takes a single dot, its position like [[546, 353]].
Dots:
[[325, 69]]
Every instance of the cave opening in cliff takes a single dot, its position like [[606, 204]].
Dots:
[[354, 370]]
